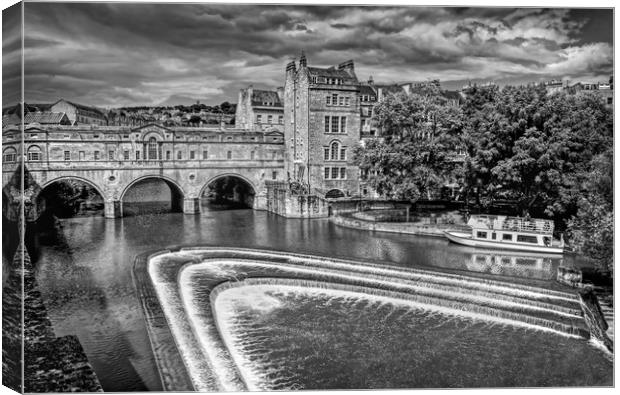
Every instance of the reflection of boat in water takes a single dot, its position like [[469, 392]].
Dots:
[[509, 233], [538, 266]]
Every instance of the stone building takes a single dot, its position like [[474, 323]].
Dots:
[[260, 110], [321, 126], [79, 113]]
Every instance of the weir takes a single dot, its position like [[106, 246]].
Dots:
[[183, 281]]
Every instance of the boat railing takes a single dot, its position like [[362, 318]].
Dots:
[[514, 224]]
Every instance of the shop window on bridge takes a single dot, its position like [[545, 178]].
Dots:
[[179, 155], [137, 155], [126, 155], [168, 155], [82, 155], [96, 155], [274, 175], [152, 149], [110, 155], [34, 154], [269, 119], [229, 155], [205, 154], [9, 155], [192, 154], [67, 155]]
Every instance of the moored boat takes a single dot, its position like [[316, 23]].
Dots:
[[501, 232]]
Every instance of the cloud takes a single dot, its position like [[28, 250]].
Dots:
[[112, 54]]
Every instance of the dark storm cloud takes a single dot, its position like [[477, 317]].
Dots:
[[119, 54]]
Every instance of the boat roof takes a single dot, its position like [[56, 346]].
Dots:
[[511, 224]]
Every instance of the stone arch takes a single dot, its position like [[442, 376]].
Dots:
[[172, 183], [34, 153], [41, 199], [222, 175], [9, 155], [240, 195], [334, 193]]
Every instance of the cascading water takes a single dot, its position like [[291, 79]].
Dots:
[[226, 337]]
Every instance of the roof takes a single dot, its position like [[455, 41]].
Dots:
[[331, 72], [259, 97], [46, 117], [81, 106], [367, 90], [10, 120]]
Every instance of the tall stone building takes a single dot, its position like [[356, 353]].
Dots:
[[321, 126]]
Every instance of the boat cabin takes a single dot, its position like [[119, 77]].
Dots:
[[504, 229]]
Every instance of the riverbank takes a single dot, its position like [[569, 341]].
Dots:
[[411, 228], [51, 364]]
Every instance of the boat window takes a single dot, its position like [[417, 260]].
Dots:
[[527, 239], [482, 235], [547, 241], [506, 261], [507, 237]]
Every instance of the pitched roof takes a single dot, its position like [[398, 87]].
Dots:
[[10, 120], [367, 90], [331, 72], [46, 117], [82, 106], [259, 97]]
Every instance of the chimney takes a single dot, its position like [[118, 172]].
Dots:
[[348, 67], [302, 60], [290, 67], [371, 81]]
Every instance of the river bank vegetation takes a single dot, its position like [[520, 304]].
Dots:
[[548, 154]]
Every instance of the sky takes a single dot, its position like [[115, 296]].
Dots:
[[121, 54]]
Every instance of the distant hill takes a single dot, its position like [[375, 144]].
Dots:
[[176, 100]]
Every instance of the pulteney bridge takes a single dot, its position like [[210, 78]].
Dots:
[[114, 159]]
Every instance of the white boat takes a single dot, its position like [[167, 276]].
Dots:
[[500, 232]]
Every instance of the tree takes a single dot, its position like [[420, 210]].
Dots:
[[421, 132]]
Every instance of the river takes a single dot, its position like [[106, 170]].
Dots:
[[84, 266]]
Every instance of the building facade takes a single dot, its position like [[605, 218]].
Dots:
[[260, 110], [321, 126]]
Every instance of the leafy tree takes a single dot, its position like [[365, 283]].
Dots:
[[421, 132]]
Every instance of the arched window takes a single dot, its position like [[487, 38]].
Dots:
[[152, 148], [34, 154], [9, 155], [335, 151]]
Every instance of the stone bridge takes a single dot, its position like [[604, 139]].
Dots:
[[114, 159]]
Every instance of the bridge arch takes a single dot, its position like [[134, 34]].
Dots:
[[241, 191], [334, 194], [171, 182], [49, 200]]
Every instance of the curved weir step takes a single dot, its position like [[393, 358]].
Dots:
[[211, 365]]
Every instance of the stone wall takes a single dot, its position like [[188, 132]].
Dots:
[[281, 201]]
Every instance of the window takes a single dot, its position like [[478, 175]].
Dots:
[[280, 119], [326, 154], [327, 173], [274, 175], [493, 236], [335, 124], [258, 118], [9, 155], [334, 99], [343, 154], [179, 155], [341, 101], [610, 100], [343, 173], [329, 100], [229, 155], [152, 149], [125, 136], [333, 155], [67, 155], [126, 155], [507, 237], [192, 154], [168, 155], [347, 101], [137, 155], [82, 155], [96, 136], [327, 118], [96, 155], [527, 239], [110, 155], [481, 235], [205, 154], [343, 124], [34, 154], [269, 118], [334, 172]]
